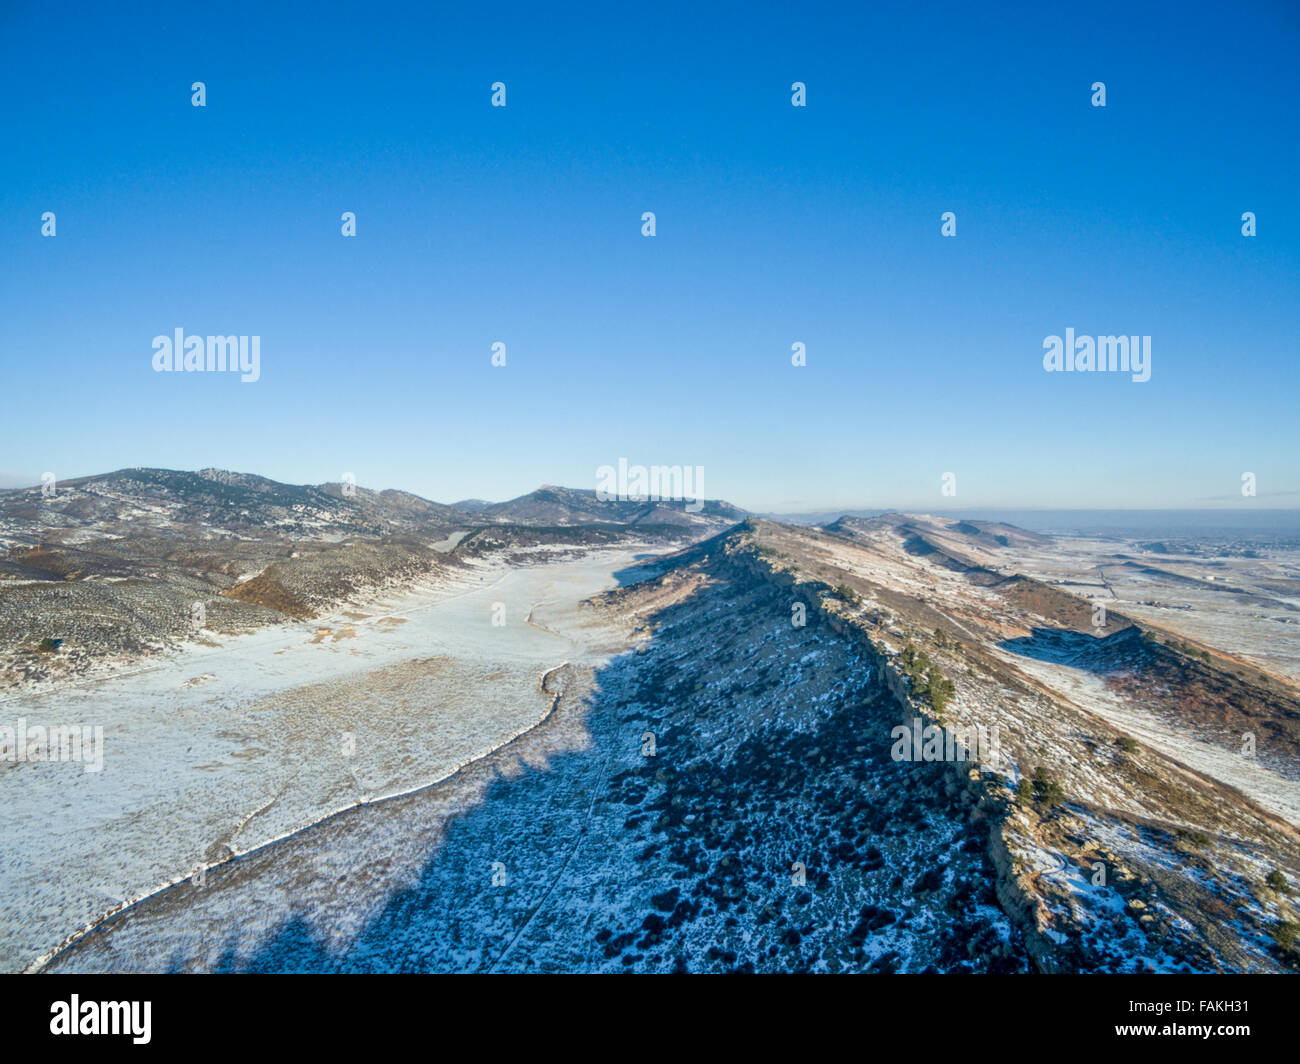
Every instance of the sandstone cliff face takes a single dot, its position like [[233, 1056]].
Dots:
[[1127, 860], [986, 800]]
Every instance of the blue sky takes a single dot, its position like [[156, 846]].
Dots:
[[775, 224]]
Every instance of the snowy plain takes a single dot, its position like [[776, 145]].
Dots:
[[220, 749]]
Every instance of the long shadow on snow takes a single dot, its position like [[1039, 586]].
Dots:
[[771, 830]]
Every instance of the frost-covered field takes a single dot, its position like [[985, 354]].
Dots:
[[1272, 792], [220, 749], [1249, 606], [769, 830], [725, 795]]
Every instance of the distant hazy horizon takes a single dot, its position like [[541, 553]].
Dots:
[[1242, 518], [1153, 524]]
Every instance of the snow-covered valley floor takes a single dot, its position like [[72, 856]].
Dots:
[[723, 798], [218, 750]]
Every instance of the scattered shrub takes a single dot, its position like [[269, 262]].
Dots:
[[1047, 789], [939, 690], [925, 679]]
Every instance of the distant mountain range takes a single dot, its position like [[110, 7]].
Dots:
[[111, 565], [216, 503], [551, 505], [929, 534]]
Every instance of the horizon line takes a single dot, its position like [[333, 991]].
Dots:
[[812, 510]]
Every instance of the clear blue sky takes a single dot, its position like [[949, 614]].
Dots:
[[775, 224]]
